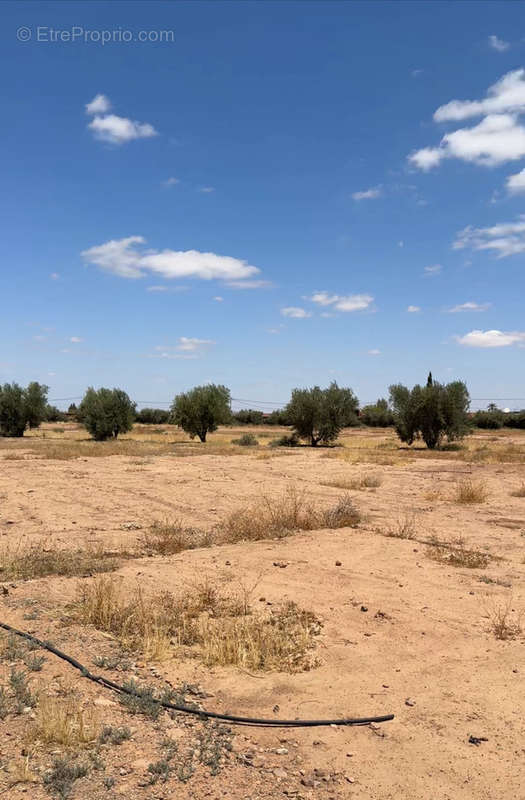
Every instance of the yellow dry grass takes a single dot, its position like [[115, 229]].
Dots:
[[59, 720]]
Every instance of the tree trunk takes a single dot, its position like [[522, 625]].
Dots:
[[202, 436]]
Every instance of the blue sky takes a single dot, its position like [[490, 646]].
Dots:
[[260, 200]]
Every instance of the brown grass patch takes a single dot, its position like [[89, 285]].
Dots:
[[468, 492], [505, 623], [59, 720], [275, 518], [455, 554], [25, 562], [519, 492], [404, 528], [171, 537], [368, 480], [218, 627]]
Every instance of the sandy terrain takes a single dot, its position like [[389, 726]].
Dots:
[[402, 633]]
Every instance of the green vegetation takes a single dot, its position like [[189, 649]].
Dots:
[[201, 410], [106, 412], [153, 416], [318, 415], [431, 412], [21, 408], [378, 415]]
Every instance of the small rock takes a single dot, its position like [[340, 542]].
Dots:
[[410, 702], [281, 751], [280, 564], [280, 773], [338, 563], [364, 608]]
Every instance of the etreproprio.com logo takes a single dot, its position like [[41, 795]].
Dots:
[[46, 35]]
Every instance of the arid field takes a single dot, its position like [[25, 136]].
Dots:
[[358, 580]]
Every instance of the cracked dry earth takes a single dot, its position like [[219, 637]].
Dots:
[[402, 633]]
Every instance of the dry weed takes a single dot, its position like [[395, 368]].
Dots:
[[60, 721], [366, 481], [505, 622], [404, 528], [455, 554], [37, 560], [469, 492], [519, 492], [171, 537]]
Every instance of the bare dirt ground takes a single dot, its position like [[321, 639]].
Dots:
[[402, 632]]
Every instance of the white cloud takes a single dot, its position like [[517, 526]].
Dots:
[[413, 309], [505, 239], [117, 130], [516, 183], [75, 339], [295, 313], [497, 138], [469, 306], [374, 352], [259, 284], [491, 338], [507, 94], [123, 257], [207, 189], [99, 105], [171, 182], [187, 348], [163, 288], [493, 141], [401, 243], [498, 44], [368, 194], [218, 299], [434, 269], [54, 276], [416, 72], [351, 302]]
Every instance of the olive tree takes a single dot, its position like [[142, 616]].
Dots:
[[201, 410], [106, 412], [21, 408], [318, 415], [431, 412]]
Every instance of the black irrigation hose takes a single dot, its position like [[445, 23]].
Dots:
[[230, 718]]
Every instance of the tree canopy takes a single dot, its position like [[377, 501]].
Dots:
[[21, 408], [201, 410], [318, 415], [106, 412]]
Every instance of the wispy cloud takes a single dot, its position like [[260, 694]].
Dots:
[[171, 182], [125, 258], [498, 44], [218, 299], [187, 348], [295, 313], [258, 284], [492, 338], [163, 289], [206, 189], [368, 194], [113, 129], [433, 269], [516, 183], [350, 302], [413, 309], [469, 306], [374, 352], [54, 276], [75, 339], [504, 239]]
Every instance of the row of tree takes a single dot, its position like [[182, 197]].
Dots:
[[433, 412]]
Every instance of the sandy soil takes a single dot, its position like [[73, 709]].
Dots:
[[401, 634]]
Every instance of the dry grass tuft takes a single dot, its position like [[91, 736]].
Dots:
[[519, 492], [405, 528], [455, 554], [366, 481], [219, 627], [171, 537], [275, 518], [282, 641], [469, 492], [38, 560], [505, 623], [60, 721]]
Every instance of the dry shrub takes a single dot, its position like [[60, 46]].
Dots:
[[171, 537], [368, 480], [404, 528], [433, 495], [455, 554], [59, 720], [504, 622], [39, 559], [20, 771], [275, 518], [519, 492], [469, 492], [220, 627], [281, 641]]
